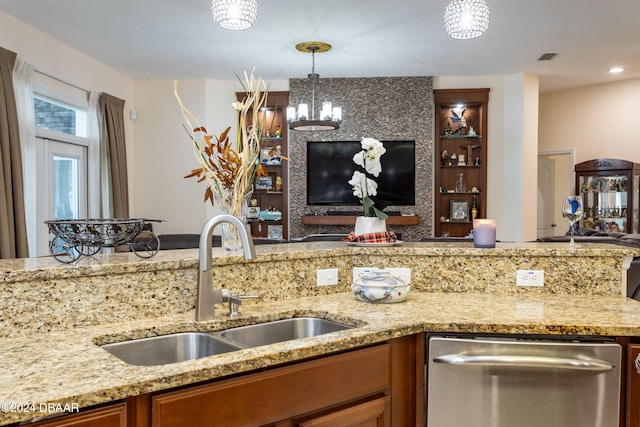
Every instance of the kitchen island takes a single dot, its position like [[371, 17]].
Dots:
[[55, 317]]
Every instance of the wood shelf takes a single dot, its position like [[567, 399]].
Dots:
[[351, 220]]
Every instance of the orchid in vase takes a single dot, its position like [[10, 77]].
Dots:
[[364, 187]]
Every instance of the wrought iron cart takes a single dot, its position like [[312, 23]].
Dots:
[[72, 238]]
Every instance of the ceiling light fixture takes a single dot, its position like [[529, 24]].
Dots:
[[616, 70], [330, 117], [466, 19], [234, 14]]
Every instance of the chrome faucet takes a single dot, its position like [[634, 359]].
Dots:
[[207, 297]]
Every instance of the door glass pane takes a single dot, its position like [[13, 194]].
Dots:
[[66, 197]]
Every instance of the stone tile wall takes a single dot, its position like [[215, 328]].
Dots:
[[386, 108]]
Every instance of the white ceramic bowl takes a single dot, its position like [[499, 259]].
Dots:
[[380, 288]]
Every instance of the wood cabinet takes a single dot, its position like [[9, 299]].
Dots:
[[381, 385], [108, 416], [281, 394], [460, 159], [271, 191], [610, 195]]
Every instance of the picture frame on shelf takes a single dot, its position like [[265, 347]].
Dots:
[[459, 211], [253, 208], [264, 183], [274, 232]]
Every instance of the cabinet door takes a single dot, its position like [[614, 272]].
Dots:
[[111, 416], [633, 385], [278, 394], [375, 413]]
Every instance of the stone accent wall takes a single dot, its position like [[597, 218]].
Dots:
[[386, 108]]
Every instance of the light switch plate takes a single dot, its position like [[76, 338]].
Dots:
[[530, 278]]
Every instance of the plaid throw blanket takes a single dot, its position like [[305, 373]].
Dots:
[[379, 237]]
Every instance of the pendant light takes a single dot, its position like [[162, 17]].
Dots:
[[329, 116], [234, 14], [466, 19]]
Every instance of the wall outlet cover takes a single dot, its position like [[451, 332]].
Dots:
[[530, 278], [327, 277]]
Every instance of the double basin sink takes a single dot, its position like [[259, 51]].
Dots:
[[183, 346]]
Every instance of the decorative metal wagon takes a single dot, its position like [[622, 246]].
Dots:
[[73, 238]]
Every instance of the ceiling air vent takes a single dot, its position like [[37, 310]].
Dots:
[[547, 56]]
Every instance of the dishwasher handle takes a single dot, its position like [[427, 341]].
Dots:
[[519, 361]]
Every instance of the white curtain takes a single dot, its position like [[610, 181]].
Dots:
[[23, 89], [94, 153]]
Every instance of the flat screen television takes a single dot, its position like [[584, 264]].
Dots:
[[330, 166]]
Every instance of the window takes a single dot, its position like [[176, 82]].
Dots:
[[59, 117]]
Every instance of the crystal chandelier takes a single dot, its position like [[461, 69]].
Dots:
[[234, 14], [466, 19], [330, 116]]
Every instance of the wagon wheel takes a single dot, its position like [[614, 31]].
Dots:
[[63, 251], [89, 250], [145, 244]]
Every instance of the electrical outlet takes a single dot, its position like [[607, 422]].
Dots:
[[327, 277], [404, 273], [530, 278]]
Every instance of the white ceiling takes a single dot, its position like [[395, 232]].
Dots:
[[147, 39]]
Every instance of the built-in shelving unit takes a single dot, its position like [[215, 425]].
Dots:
[[461, 154], [271, 192]]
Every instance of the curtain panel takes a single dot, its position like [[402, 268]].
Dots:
[[112, 118], [13, 228]]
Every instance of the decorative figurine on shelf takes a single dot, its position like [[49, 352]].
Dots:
[[471, 132], [454, 160], [278, 186], [447, 130], [461, 186], [474, 207], [458, 120], [477, 162], [278, 131], [444, 158]]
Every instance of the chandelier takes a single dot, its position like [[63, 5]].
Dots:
[[466, 19], [330, 116], [234, 14]]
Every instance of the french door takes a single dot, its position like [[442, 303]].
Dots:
[[61, 185]]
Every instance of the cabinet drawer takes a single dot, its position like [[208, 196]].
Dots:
[[277, 394]]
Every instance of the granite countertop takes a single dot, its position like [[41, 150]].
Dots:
[[68, 367]]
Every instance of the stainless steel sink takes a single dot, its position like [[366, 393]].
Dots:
[[281, 330], [169, 348], [183, 346]]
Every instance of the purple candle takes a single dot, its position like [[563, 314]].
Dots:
[[484, 233]]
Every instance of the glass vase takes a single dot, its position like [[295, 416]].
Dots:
[[236, 205]]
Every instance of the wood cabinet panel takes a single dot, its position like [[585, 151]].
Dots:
[[269, 396], [110, 416], [375, 413], [632, 400]]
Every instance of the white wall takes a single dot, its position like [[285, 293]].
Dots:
[[596, 121], [163, 153]]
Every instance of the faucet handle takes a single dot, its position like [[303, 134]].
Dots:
[[234, 300]]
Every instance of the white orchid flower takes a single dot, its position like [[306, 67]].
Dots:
[[363, 186], [369, 158]]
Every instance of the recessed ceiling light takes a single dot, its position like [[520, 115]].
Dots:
[[615, 70]]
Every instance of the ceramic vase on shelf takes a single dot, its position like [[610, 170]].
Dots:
[[369, 224], [226, 204]]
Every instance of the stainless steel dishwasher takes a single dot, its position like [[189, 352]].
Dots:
[[513, 382]]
